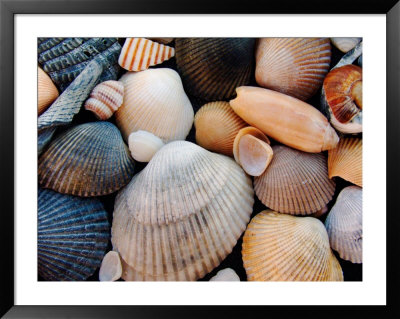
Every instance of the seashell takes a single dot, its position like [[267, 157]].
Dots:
[[345, 160], [211, 68], [216, 127], [105, 99], [162, 40], [44, 137], [350, 56], [47, 91], [285, 119], [245, 131], [320, 212], [345, 44], [73, 235], [227, 274], [90, 159], [295, 182], [155, 101], [279, 247], [111, 268], [342, 98], [181, 215], [292, 66], [359, 61], [344, 224], [139, 54], [143, 145], [64, 59]]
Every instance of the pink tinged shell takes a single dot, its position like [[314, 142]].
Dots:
[[47, 91], [105, 99], [139, 54]]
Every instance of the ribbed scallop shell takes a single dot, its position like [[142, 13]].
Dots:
[[212, 68], [182, 215], [105, 99], [47, 91], [217, 126], [155, 101], [139, 54], [345, 160], [293, 66], [345, 44], [279, 247], [73, 235], [295, 182], [344, 224], [87, 160]]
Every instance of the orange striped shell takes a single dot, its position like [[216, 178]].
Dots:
[[139, 54]]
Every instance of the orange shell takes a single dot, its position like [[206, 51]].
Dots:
[[47, 91]]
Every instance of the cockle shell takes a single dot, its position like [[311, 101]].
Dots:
[[73, 235], [345, 44], [143, 145], [155, 101], [246, 131], [292, 66], [47, 91], [139, 54], [284, 118], [181, 215], [279, 247], [227, 274], [344, 224], [90, 159], [295, 182], [211, 68], [111, 268], [345, 160], [217, 126], [342, 98]]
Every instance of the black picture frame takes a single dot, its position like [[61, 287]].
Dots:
[[9, 8]]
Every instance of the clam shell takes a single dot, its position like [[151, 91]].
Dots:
[[143, 145], [279, 247], [345, 44], [73, 235], [139, 54], [217, 126], [345, 160], [111, 267], [344, 224], [181, 215], [47, 91], [155, 101], [249, 130], [211, 68], [292, 66], [295, 182], [90, 159], [105, 99], [227, 274]]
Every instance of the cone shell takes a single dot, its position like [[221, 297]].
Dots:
[[344, 224], [217, 126], [211, 68], [285, 119], [143, 145], [248, 130], [111, 268], [345, 44], [73, 235], [295, 182], [279, 247], [345, 160], [155, 101], [139, 54], [293, 66], [87, 160], [181, 215], [47, 91]]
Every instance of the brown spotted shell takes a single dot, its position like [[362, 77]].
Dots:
[[47, 91]]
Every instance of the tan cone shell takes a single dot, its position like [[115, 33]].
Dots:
[[279, 247], [139, 54], [345, 44], [295, 182], [182, 215], [293, 66], [155, 101], [217, 126], [344, 224], [47, 91], [345, 160]]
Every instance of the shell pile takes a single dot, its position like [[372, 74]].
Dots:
[[212, 159]]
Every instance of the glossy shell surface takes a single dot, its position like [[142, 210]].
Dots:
[[47, 91], [143, 145]]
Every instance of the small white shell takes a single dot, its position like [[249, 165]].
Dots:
[[345, 44], [226, 274], [143, 145], [111, 268]]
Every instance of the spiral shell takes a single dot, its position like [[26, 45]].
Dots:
[[181, 215], [295, 182], [279, 247], [90, 159], [73, 235], [345, 44], [47, 91]]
